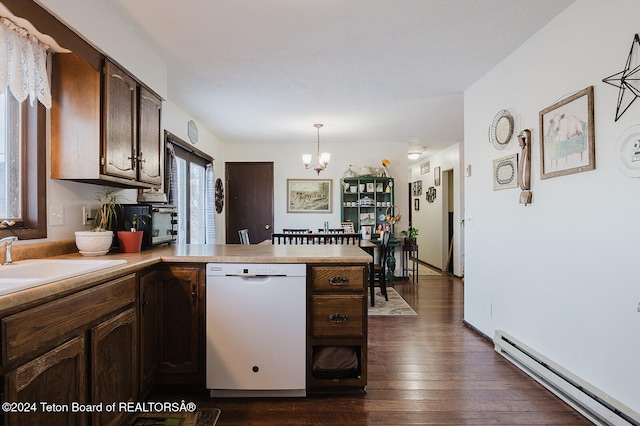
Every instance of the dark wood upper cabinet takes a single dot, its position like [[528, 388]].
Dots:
[[149, 150], [105, 127], [120, 109]]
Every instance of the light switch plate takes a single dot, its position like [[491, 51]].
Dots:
[[56, 215]]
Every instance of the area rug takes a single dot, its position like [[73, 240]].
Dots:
[[204, 417], [425, 270], [395, 306]]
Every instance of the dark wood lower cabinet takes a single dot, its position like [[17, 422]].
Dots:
[[182, 325], [114, 366], [73, 355], [149, 325], [115, 341], [56, 378]]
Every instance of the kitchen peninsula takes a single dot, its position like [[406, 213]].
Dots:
[[83, 338]]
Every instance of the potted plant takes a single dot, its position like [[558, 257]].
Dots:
[[99, 240], [410, 236], [130, 240]]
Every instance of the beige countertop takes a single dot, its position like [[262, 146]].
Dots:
[[218, 253]]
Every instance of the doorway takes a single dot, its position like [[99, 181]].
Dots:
[[449, 213], [249, 203]]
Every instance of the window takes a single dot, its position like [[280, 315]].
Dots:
[[22, 168], [191, 181]]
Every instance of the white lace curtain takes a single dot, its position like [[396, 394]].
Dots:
[[23, 64], [210, 221]]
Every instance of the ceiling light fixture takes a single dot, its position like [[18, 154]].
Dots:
[[415, 153], [323, 158]]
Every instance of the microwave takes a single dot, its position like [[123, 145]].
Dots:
[[160, 225]]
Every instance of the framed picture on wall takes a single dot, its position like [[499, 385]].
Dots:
[[424, 168], [416, 203], [309, 195], [417, 188], [567, 136], [436, 176]]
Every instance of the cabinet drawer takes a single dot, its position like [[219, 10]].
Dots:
[[337, 316], [338, 278], [46, 324]]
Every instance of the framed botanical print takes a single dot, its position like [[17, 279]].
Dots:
[[309, 195], [567, 136]]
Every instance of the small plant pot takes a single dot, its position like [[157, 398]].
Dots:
[[130, 242], [92, 243]]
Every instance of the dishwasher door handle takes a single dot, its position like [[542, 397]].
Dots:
[[255, 275]]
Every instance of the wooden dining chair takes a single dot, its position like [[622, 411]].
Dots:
[[378, 270]]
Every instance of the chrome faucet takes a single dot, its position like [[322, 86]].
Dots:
[[8, 241]]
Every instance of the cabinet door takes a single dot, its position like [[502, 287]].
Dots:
[[114, 367], [149, 314], [57, 377], [182, 326], [150, 143], [120, 123]]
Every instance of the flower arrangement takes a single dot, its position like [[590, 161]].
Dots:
[[385, 163], [391, 219]]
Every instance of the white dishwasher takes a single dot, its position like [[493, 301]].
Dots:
[[256, 329]]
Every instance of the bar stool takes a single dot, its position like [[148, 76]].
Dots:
[[410, 254]]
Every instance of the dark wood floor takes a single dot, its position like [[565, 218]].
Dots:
[[424, 369]]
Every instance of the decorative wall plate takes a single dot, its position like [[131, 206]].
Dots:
[[628, 151], [505, 172], [501, 129], [192, 132]]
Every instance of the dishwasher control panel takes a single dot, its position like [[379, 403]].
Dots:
[[257, 269]]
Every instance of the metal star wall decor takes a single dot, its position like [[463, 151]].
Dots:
[[627, 80]]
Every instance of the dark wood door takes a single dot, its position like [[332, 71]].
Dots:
[[149, 342], [114, 367], [182, 325], [120, 123], [249, 188], [149, 136], [56, 377]]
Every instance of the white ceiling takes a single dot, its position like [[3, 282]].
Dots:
[[390, 71]]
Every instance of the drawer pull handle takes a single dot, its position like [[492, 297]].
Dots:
[[338, 318], [338, 281]]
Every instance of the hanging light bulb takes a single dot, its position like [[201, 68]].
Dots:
[[323, 157]]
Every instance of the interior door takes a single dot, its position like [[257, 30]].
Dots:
[[249, 205]]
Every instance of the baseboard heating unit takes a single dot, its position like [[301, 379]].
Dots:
[[592, 403]]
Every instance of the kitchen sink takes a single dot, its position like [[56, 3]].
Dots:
[[34, 272]]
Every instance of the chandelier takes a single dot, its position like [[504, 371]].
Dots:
[[323, 157]]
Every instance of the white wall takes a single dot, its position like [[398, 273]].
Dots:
[[100, 25], [561, 273], [432, 218]]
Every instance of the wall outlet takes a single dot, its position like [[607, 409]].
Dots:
[[86, 215]]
